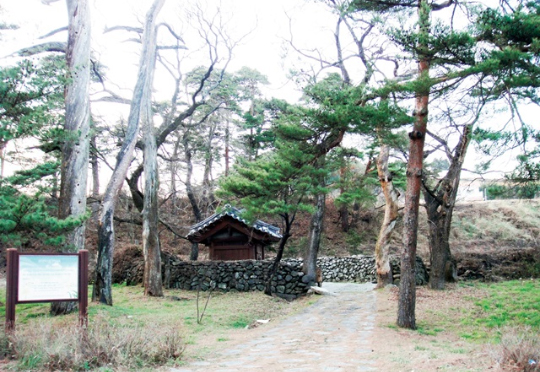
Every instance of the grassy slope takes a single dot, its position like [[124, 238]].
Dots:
[[473, 325], [153, 322], [468, 327], [484, 313], [477, 227]]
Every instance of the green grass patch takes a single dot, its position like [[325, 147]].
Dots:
[[513, 303], [241, 322], [424, 330], [504, 305], [154, 331]]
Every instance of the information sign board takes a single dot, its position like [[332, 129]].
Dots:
[[48, 277]]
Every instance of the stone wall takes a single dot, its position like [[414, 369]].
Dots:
[[344, 269], [246, 275], [249, 275]]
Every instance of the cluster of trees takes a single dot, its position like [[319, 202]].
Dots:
[[432, 68], [507, 190], [461, 71]]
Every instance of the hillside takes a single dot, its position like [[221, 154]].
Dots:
[[484, 234]]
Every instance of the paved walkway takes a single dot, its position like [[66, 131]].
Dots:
[[331, 335]]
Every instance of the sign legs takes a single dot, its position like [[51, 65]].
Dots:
[[11, 288]]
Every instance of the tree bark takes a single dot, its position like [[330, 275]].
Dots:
[[440, 205], [194, 253], [344, 218], [75, 151], [133, 183], [95, 178], [315, 233], [174, 171], [227, 147], [208, 198], [343, 209], [153, 285], [102, 285], [3, 145], [281, 248], [407, 289], [391, 195]]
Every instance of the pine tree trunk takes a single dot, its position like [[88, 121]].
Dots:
[[3, 146], [440, 205], [75, 151], [281, 248], [344, 218], [133, 182], [102, 291], [102, 288], [407, 289], [438, 242], [343, 209], [315, 233], [95, 179], [208, 198], [153, 285], [194, 253], [382, 261], [227, 150], [174, 171]]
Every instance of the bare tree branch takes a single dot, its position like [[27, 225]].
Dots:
[[52, 46], [171, 47], [178, 37], [54, 32], [138, 30]]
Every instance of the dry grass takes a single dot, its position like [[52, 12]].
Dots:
[[436, 345], [509, 220], [519, 350], [52, 346], [137, 333], [467, 327]]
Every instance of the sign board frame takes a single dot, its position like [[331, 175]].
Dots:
[[13, 283]]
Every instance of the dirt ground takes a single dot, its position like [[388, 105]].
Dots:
[[432, 347], [308, 341], [435, 346]]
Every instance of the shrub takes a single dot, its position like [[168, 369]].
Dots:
[[4, 344], [51, 347], [519, 350]]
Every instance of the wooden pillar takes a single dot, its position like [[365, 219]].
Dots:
[[83, 288], [11, 288]]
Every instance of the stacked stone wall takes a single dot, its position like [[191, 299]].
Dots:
[[250, 275], [246, 275]]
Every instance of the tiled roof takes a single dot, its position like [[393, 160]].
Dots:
[[235, 213]]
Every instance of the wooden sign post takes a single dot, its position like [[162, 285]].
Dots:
[[46, 277]]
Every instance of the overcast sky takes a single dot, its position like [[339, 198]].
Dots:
[[265, 25]]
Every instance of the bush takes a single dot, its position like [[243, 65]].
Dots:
[[4, 345], [519, 350], [49, 347]]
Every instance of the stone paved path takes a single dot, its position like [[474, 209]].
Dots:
[[331, 335]]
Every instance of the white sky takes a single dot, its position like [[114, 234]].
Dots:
[[262, 25], [265, 21]]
